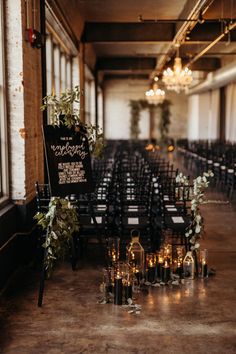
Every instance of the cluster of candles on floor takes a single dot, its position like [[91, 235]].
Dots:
[[120, 277]]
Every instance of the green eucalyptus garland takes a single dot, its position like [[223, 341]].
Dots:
[[137, 106], [62, 110], [164, 121], [60, 224]]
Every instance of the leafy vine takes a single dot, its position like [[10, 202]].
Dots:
[[62, 111], [60, 223], [196, 226], [137, 106]]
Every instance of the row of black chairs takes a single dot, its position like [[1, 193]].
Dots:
[[201, 156], [134, 189]]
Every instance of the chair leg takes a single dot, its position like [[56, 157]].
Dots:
[[41, 283], [74, 252]]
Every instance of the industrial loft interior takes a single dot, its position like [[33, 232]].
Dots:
[[117, 176]]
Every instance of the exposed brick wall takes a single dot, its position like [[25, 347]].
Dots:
[[32, 114], [24, 100]]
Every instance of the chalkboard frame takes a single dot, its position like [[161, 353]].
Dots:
[[68, 161]]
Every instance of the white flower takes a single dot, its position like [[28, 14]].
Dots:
[[197, 229], [198, 218]]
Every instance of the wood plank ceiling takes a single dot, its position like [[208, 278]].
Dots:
[[137, 37]]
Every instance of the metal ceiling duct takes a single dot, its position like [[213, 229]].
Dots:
[[200, 7], [216, 79]]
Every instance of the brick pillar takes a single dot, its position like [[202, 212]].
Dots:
[[24, 101]]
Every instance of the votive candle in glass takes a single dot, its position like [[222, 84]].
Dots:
[[203, 263]]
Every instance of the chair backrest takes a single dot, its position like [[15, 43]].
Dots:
[[42, 196]]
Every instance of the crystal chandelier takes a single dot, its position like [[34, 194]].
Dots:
[[155, 95], [177, 79]]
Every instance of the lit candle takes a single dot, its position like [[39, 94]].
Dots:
[[188, 266], [179, 269], [204, 270], [159, 266], [203, 263], [118, 290], [127, 290], [137, 275], [165, 273], [151, 272]]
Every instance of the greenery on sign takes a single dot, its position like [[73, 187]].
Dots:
[[197, 225], [62, 111], [138, 105], [60, 223]]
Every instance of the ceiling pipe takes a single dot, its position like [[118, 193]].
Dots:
[[200, 7], [199, 55], [215, 80]]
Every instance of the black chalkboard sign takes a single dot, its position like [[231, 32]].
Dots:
[[68, 161]]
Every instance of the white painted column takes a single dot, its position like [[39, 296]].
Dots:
[[14, 54]]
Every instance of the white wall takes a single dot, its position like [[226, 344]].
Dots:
[[204, 115], [231, 112], [193, 117], [179, 117], [118, 93]]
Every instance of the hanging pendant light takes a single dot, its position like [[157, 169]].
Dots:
[[177, 79], [155, 95]]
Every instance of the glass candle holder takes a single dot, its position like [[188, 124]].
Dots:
[[113, 249], [128, 286], [107, 280], [150, 267], [168, 253], [179, 260], [159, 263], [188, 266], [136, 254], [203, 269]]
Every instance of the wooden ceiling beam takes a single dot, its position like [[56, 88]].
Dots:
[[149, 32], [209, 31], [108, 76], [125, 63], [128, 32]]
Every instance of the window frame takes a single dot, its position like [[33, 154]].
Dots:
[[4, 167]]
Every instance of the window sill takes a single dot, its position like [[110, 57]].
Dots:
[[5, 206]]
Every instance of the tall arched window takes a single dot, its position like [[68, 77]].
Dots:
[[61, 56]]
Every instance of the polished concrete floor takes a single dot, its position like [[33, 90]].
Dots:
[[196, 317]]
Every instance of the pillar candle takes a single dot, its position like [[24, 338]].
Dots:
[[165, 273], [118, 291]]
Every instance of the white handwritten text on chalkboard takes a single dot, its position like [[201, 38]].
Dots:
[[71, 150], [71, 172]]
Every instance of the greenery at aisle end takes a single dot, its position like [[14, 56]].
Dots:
[[194, 231], [60, 224], [62, 111], [137, 106]]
